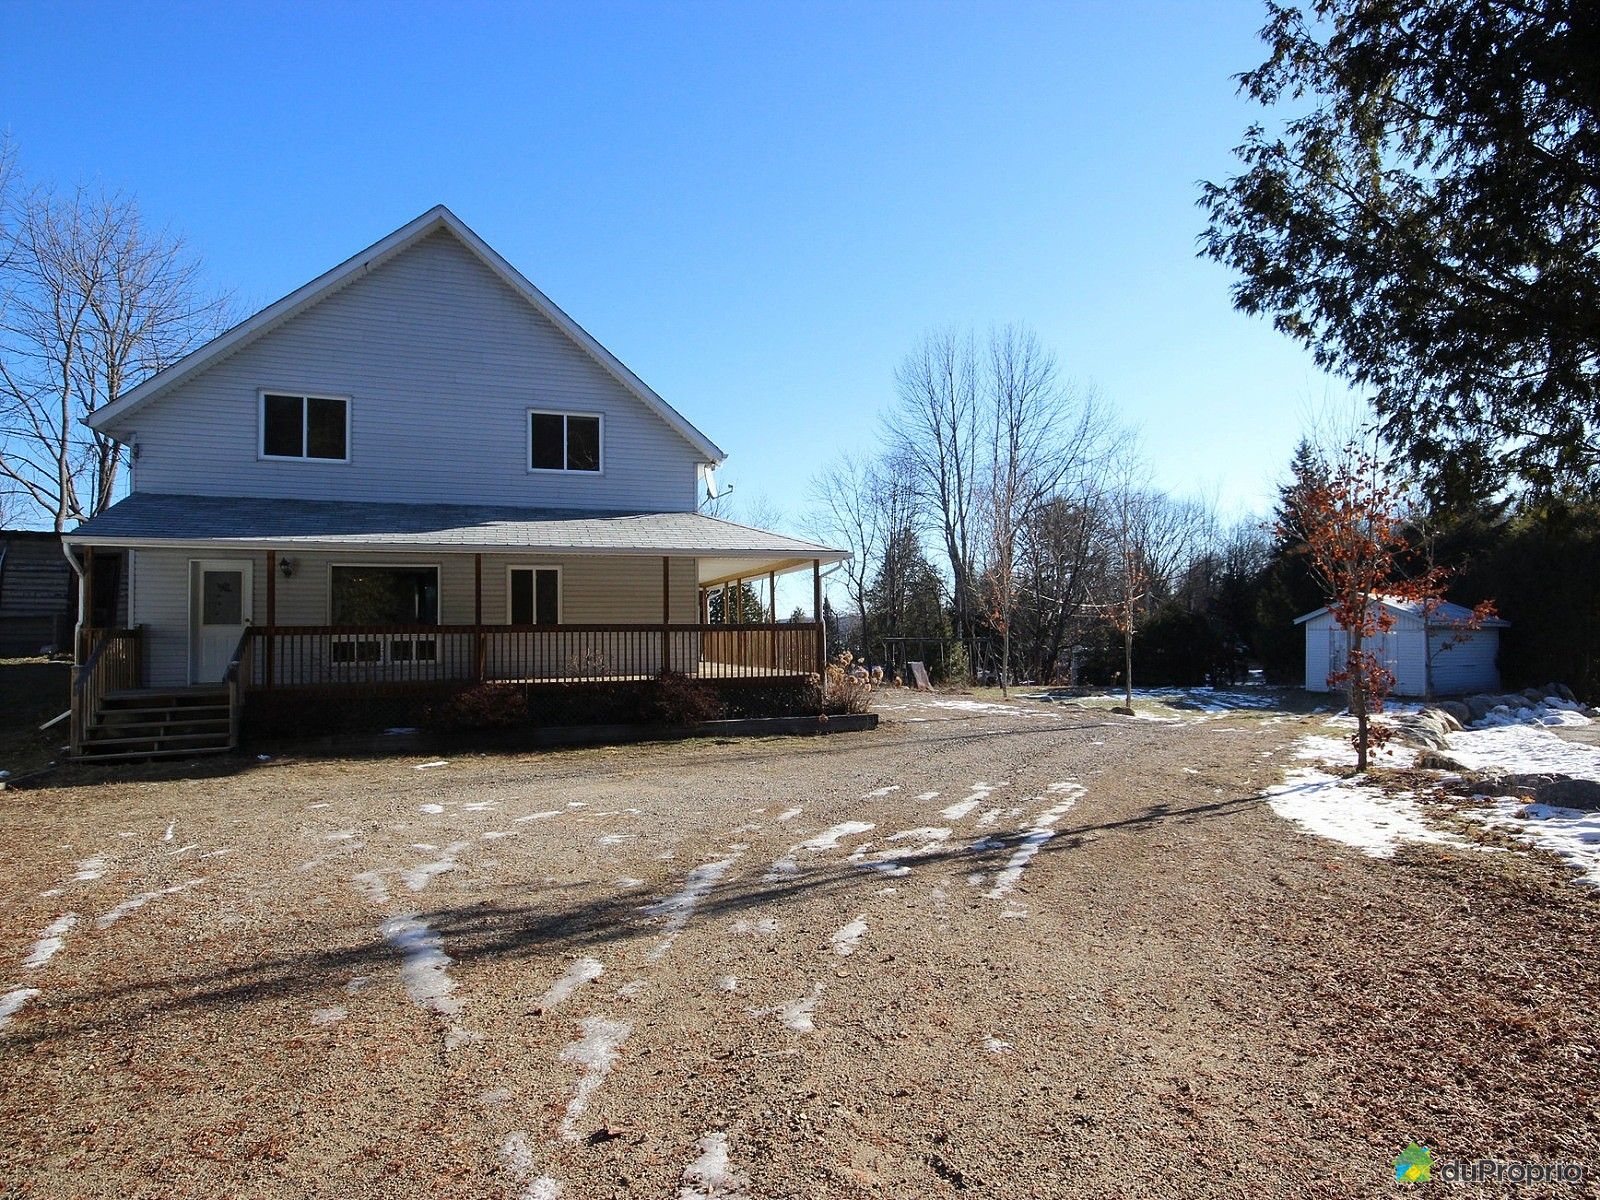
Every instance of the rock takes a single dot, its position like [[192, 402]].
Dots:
[[1457, 711], [1534, 697], [1565, 693], [1558, 791], [1424, 730], [1122, 710], [1432, 760], [1480, 705]]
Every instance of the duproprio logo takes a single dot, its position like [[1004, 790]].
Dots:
[[1415, 1164]]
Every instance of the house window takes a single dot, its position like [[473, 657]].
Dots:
[[534, 596], [564, 442], [384, 595], [305, 427]]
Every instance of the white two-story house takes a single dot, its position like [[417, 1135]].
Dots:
[[414, 471]]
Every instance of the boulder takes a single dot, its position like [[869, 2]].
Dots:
[[1432, 760], [1457, 711], [1565, 693], [1558, 791], [1425, 730], [1534, 696], [1480, 705]]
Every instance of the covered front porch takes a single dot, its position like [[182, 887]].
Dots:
[[462, 600]]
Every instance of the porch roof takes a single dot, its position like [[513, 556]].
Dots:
[[245, 523]]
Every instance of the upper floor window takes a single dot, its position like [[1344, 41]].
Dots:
[[564, 441], [305, 427]]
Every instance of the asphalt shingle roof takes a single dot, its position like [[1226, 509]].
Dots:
[[148, 517]]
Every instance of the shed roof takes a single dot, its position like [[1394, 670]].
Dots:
[[244, 523], [1442, 614]]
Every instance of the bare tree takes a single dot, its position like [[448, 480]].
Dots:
[[934, 428], [93, 302], [1043, 438], [863, 506], [1152, 539]]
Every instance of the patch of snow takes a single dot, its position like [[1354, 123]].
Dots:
[[372, 885], [879, 793], [679, 907], [1569, 833], [584, 970], [759, 925], [596, 1053], [12, 1001], [980, 793], [1550, 711], [357, 982], [710, 1177], [432, 810], [790, 814], [728, 983], [328, 1016], [538, 816], [90, 868], [418, 877], [167, 836], [424, 966], [995, 1046], [797, 1014], [632, 988], [517, 1152], [616, 839], [50, 941], [627, 883], [829, 838], [494, 835], [132, 903], [338, 835], [479, 806], [1354, 813], [1523, 749], [847, 937], [429, 766], [1042, 831], [925, 797]]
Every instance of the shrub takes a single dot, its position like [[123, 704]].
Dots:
[[850, 687], [486, 706], [675, 699]]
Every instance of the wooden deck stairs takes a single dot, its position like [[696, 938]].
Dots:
[[149, 723]]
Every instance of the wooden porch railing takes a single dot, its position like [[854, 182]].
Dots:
[[108, 660], [332, 656]]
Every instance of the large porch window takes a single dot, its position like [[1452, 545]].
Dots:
[[384, 595]]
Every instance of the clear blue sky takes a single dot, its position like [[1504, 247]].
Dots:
[[758, 208]]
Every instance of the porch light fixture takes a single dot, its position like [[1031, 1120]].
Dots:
[[286, 566]]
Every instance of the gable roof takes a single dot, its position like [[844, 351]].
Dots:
[[381, 251], [1444, 613]]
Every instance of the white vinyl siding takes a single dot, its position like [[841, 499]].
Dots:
[[1468, 666], [594, 590], [441, 362]]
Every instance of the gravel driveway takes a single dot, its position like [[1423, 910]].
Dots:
[[993, 950]]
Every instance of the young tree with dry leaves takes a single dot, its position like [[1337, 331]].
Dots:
[[1355, 520]]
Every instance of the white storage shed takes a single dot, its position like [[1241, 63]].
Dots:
[[1429, 657]]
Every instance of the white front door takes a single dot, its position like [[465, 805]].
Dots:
[[220, 593]]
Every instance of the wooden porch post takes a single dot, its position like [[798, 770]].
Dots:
[[705, 606], [272, 616], [816, 608], [86, 617], [772, 596], [666, 614], [478, 655]]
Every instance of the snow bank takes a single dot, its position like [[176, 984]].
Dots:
[[1523, 750], [1570, 833]]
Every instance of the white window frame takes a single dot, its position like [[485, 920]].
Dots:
[[305, 438], [385, 657], [511, 568], [527, 433]]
